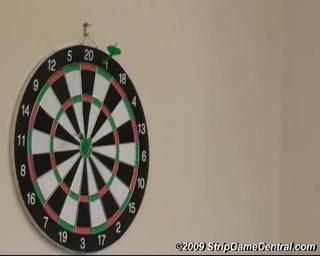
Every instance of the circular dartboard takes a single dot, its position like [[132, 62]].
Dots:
[[81, 150]]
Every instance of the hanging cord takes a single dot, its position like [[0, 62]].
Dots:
[[86, 37]]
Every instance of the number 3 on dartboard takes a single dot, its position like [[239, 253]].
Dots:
[[82, 243]]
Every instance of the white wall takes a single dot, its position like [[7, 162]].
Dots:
[[209, 77], [300, 208]]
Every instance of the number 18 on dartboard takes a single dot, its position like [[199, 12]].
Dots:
[[80, 148]]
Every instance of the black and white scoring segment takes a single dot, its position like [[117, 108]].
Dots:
[[81, 151]]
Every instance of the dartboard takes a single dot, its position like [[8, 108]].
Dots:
[[80, 149]]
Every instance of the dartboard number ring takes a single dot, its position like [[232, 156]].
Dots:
[[80, 149]]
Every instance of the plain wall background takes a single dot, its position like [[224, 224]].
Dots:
[[226, 89], [300, 186]]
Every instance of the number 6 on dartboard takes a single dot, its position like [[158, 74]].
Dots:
[[80, 149]]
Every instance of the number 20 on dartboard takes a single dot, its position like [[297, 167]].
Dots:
[[80, 149]]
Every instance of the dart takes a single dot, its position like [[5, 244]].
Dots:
[[113, 51]]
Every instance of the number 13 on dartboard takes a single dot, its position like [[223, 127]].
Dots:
[[80, 148]]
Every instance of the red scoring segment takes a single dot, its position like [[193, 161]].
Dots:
[[114, 218], [55, 77], [87, 99], [88, 67], [83, 231], [135, 176], [32, 118], [118, 88], [51, 213]]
